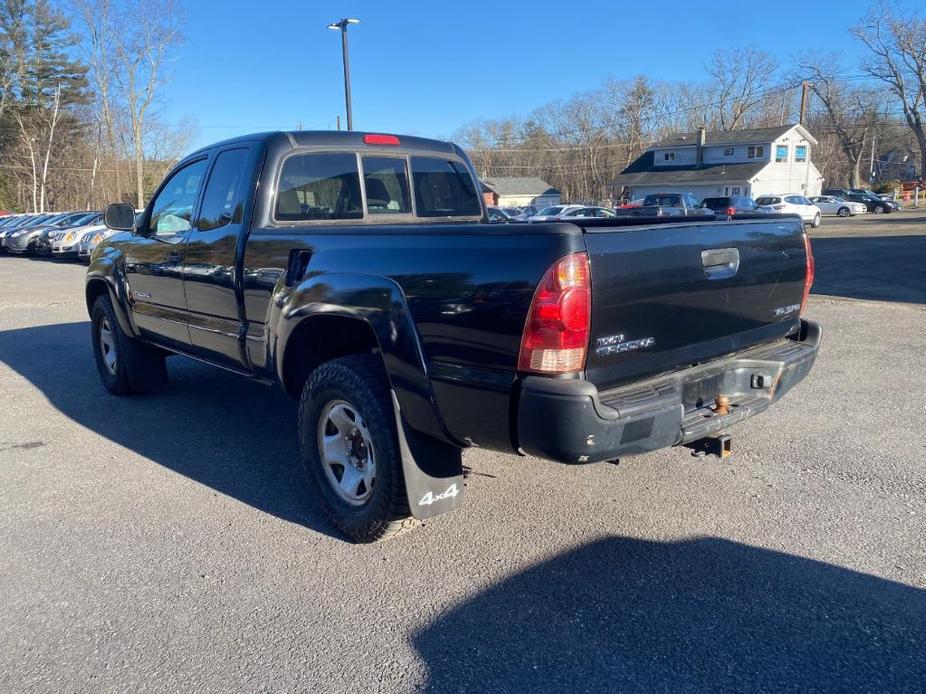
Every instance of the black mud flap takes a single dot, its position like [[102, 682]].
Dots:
[[433, 471]]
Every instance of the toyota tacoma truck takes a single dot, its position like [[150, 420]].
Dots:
[[359, 272]]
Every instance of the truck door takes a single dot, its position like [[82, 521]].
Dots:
[[210, 271], [154, 257]]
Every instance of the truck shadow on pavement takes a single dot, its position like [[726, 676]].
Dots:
[[233, 435], [707, 614], [882, 268]]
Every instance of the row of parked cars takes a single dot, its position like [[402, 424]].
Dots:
[[64, 235], [833, 202]]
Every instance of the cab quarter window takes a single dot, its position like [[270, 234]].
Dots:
[[386, 183], [173, 207], [444, 188], [223, 201], [319, 186]]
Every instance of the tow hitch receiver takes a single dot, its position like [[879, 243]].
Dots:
[[721, 446]]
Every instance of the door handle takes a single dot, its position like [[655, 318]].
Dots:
[[174, 257], [720, 263]]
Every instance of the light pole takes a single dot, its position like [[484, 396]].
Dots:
[[342, 25]]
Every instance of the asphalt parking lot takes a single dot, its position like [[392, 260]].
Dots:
[[165, 542]]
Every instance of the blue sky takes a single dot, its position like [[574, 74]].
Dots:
[[426, 68]]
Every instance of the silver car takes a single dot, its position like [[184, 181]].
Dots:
[[27, 240], [64, 243]]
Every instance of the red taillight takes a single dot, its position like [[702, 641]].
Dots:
[[370, 139], [811, 271], [731, 211], [556, 333]]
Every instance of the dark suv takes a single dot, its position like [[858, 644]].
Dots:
[[731, 205]]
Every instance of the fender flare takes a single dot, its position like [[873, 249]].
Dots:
[[104, 269], [432, 461], [381, 304]]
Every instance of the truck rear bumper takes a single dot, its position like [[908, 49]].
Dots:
[[570, 421]]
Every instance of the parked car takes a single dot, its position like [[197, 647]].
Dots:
[[730, 206], [27, 221], [497, 215], [424, 332], [833, 205], [791, 204], [64, 244], [581, 212], [22, 240], [553, 212], [44, 241], [873, 203], [667, 205]]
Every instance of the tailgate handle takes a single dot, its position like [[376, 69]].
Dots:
[[720, 263]]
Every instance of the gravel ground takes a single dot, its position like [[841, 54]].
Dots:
[[166, 543]]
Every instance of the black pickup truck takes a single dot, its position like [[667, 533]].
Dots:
[[359, 272]]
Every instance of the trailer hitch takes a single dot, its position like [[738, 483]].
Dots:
[[720, 446]]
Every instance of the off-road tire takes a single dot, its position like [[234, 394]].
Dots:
[[359, 380], [138, 367]]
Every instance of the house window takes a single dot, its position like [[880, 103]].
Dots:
[[755, 151], [728, 152], [800, 153], [736, 190], [781, 153], [669, 156]]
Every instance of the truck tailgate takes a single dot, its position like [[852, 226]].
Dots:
[[667, 296]]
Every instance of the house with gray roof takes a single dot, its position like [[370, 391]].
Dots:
[[756, 162], [520, 191]]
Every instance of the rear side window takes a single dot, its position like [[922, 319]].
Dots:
[[444, 188], [386, 183], [768, 200], [318, 186], [223, 201]]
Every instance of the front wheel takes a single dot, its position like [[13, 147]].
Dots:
[[350, 448], [816, 221], [125, 364], [879, 209], [843, 212]]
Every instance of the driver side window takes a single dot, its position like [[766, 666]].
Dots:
[[172, 209]]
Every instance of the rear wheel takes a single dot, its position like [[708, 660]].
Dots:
[[350, 448], [842, 212]]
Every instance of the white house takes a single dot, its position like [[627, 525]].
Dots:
[[520, 191], [754, 162]]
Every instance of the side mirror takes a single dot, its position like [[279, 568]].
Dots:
[[119, 216]]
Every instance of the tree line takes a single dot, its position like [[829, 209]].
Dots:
[[869, 118], [79, 92]]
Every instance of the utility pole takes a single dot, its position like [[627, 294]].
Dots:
[[339, 121], [805, 88], [342, 25], [871, 165]]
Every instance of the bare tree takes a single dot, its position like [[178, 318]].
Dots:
[[851, 112], [146, 39], [740, 78], [897, 42]]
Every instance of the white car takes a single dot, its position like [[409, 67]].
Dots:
[[830, 204], [553, 212], [791, 204]]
